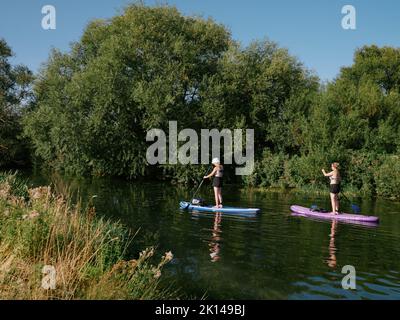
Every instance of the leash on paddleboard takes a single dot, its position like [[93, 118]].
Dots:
[[201, 183]]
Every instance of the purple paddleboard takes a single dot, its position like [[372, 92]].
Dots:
[[361, 223], [327, 215]]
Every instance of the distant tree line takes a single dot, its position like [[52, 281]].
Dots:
[[90, 108]]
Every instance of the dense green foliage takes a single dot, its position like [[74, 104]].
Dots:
[[355, 120], [123, 78], [14, 85], [137, 71], [96, 103]]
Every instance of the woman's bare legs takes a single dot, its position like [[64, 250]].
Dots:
[[220, 197], [216, 197], [333, 203], [337, 203]]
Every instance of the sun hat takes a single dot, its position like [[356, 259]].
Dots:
[[215, 161]]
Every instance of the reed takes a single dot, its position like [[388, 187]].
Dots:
[[87, 254]]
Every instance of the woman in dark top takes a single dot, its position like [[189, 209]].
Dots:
[[334, 186], [217, 173]]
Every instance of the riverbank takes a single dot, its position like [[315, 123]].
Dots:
[[51, 249], [316, 191], [62, 181]]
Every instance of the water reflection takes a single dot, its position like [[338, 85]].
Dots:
[[215, 239], [332, 261], [277, 264]]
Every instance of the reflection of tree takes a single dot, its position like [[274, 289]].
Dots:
[[332, 248], [214, 244]]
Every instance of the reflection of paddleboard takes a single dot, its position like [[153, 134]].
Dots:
[[353, 222], [306, 212], [231, 210]]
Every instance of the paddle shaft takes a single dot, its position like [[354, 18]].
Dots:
[[352, 204], [201, 183], [344, 196]]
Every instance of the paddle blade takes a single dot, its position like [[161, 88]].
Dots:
[[356, 209], [184, 205]]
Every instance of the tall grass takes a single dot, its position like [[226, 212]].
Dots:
[[86, 255]]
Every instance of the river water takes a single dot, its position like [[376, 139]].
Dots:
[[271, 256]]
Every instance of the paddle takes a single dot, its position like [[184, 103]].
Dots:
[[356, 209], [201, 183]]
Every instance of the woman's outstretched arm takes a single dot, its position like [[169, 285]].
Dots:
[[211, 174], [330, 174]]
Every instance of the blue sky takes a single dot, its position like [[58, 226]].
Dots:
[[310, 29]]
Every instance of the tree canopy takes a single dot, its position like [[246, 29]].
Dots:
[[147, 66], [94, 104], [14, 90]]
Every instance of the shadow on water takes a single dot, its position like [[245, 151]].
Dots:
[[270, 256]]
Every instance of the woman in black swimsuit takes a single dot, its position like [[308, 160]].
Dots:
[[218, 173], [334, 186]]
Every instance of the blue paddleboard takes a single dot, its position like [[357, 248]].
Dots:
[[184, 205]]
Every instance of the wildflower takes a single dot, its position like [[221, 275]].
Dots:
[[4, 190], [169, 256], [17, 201], [31, 215], [39, 193], [157, 273], [118, 267], [147, 253], [133, 263]]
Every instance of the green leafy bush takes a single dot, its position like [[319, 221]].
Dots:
[[387, 177], [268, 171]]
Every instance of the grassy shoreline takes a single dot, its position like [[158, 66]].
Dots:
[[50, 249]]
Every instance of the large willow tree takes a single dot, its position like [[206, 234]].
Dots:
[[150, 65], [125, 76]]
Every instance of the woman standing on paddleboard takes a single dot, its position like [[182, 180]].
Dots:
[[217, 173], [334, 189]]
